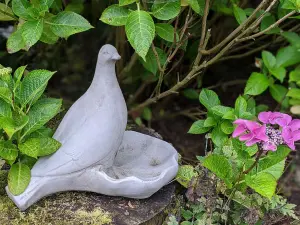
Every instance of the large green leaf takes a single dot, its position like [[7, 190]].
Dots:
[[18, 178], [294, 93], [256, 84], [8, 151], [208, 98], [262, 183], [40, 113], [126, 2], [197, 5], [5, 109], [239, 14], [220, 110], [151, 63], [166, 32], [41, 133], [220, 166], [198, 128], [20, 7], [218, 136], [6, 95], [115, 15], [32, 85], [67, 23], [287, 56], [279, 92], [32, 32], [35, 147], [293, 38], [165, 10], [5, 10], [279, 73], [140, 31], [48, 36], [15, 42], [269, 59], [240, 106], [14, 124]]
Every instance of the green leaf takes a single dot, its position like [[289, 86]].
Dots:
[[240, 106], [19, 8], [140, 31], [239, 14], [218, 136], [6, 95], [261, 108], [68, 23], [165, 10], [287, 56], [289, 4], [115, 15], [18, 178], [36, 147], [151, 63], [40, 113], [295, 75], [197, 5], [8, 151], [294, 93], [147, 114], [256, 84], [269, 59], [220, 110], [15, 42], [32, 86], [266, 22], [198, 128], [191, 93], [14, 124], [278, 92], [227, 127], [126, 2], [48, 36], [279, 73], [5, 9], [208, 98], [41, 133], [220, 166], [18, 74], [185, 175], [262, 183], [293, 38], [32, 32], [295, 102], [5, 109], [166, 32], [210, 122]]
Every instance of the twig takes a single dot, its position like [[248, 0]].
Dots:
[[255, 162], [236, 31], [203, 32], [157, 58], [269, 28]]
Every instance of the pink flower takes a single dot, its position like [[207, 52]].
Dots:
[[291, 133], [250, 132], [281, 119]]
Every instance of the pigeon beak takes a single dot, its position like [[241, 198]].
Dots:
[[116, 57]]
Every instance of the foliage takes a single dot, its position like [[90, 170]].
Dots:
[[24, 111]]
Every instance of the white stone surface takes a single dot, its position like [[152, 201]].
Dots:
[[97, 154]]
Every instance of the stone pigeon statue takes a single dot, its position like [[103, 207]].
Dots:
[[97, 154]]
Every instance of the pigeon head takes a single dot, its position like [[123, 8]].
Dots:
[[108, 53]]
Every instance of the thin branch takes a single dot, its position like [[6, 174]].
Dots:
[[203, 32], [269, 28], [157, 58], [236, 31]]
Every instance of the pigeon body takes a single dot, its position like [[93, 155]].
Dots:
[[92, 130]]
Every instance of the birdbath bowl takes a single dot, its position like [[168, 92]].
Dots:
[[97, 154]]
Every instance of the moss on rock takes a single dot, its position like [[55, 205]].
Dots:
[[70, 208]]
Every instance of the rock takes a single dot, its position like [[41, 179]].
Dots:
[[83, 208]]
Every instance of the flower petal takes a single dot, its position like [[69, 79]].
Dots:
[[240, 129], [260, 133], [269, 146], [246, 137], [282, 119], [252, 142], [295, 124], [264, 116]]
